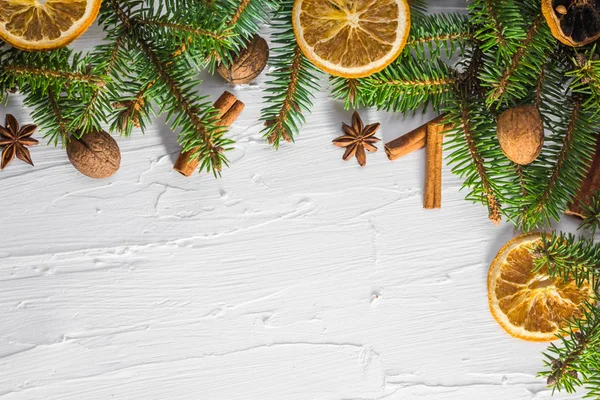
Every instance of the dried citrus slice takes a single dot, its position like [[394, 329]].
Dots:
[[351, 38], [573, 22], [528, 305], [45, 24]]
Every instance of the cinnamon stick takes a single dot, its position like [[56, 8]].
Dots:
[[432, 197], [589, 186], [412, 141], [229, 108]]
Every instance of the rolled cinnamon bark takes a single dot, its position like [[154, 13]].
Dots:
[[229, 108], [412, 141], [432, 197], [589, 186]]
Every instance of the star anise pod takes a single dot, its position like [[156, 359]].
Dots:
[[15, 141], [357, 138]]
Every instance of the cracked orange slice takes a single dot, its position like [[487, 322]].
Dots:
[[528, 305], [45, 24], [351, 38]]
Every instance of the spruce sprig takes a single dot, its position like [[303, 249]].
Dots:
[[566, 168], [511, 81], [475, 126], [172, 81], [56, 85], [575, 361], [568, 257], [432, 36], [292, 83], [62, 70], [147, 65], [245, 17], [418, 8], [500, 27], [409, 85], [586, 74], [420, 77], [591, 213]]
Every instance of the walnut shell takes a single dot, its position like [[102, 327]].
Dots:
[[96, 154], [248, 64], [521, 133]]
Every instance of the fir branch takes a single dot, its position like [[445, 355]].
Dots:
[[586, 74], [539, 87], [501, 27], [135, 71], [47, 113], [134, 112], [474, 151], [432, 36], [522, 185], [199, 33], [54, 83], [591, 213], [241, 19], [418, 8], [511, 82], [419, 76], [292, 84], [245, 16], [208, 145], [410, 85], [90, 114], [238, 12], [62, 125], [281, 125], [468, 149], [567, 257], [566, 147], [348, 90], [576, 363], [60, 70], [25, 71], [549, 197], [158, 23], [185, 109], [555, 106]]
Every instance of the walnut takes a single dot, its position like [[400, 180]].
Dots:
[[521, 133], [96, 154], [248, 64]]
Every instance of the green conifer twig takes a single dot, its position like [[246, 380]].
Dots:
[[591, 213], [292, 84], [575, 362]]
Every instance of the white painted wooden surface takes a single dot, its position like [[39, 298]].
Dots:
[[296, 276]]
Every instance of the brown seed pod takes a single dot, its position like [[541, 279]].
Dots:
[[96, 154], [248, 64], [573, 22], [521, 133]]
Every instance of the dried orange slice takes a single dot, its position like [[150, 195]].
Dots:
[[45, 24], [573, 22], [528, 305], [351, 38]]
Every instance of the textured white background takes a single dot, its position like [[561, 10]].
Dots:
[[296, 276]]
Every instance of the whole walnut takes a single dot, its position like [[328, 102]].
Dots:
[[248, 64], [96, 154], [521, 133]]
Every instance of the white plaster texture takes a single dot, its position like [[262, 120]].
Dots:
[[296, 276]]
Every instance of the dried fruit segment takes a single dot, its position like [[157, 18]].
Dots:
[[45, 25], [528, 305], [351, 38], [573, 22]]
